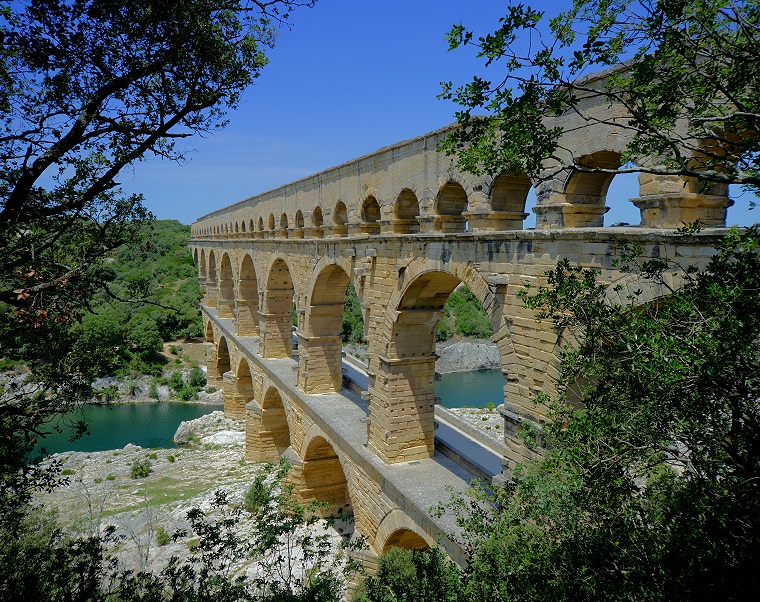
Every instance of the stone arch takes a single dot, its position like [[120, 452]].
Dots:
[[586, 192], [226, 298], [223, 361], [370, 216], [450, 205], [277, 321], [271, 225], [202, 267], [242, 393], [397, 529], [211, 280], [402, 394], [250, 227], [317, 221], [405, 213], [209, 332], [195, 255], [247, 315], [299, 231], [242, 227], [340, 220], [507, 197], [320, 343], [321, 476], [260, 230], [283, 225], [237, 228]]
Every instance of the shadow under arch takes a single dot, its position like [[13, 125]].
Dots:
[[406, 212]]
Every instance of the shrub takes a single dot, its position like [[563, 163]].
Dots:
[[140, 468], [162, 536], [257, 495], [177, 382], [170, 458], [197, 378]]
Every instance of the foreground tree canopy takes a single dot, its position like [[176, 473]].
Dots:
[[89, 87], [686, 72]]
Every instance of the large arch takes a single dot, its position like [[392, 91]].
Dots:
[[247, 318], [320, 344], [405, 213], [450, 205], [226, 299], [402, 390], [209, 332], [234, 404], [322, 478], [222, 361], [202, 268], [276, 321], [398, 530]]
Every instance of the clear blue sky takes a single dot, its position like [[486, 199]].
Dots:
[[351, 76]]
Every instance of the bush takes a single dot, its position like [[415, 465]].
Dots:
[[162, 536], [197, 378], [257, 495], [140, 468], [177, 382]]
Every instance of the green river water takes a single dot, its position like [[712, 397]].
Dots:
[[154, 424]]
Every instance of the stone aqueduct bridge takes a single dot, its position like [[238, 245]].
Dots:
[[405, 228]]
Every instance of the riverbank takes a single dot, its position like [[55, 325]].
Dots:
[[102, 492]]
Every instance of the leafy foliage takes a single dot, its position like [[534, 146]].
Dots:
[[419, 575], [352, 321], [464, 316], [648, 486], [690, 85]]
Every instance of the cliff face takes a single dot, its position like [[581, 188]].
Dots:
[[467, 356]]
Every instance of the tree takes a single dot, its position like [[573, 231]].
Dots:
[[648, 488], [686, 73], [89, 87]]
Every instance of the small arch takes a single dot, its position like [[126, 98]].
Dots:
[[508, 196], [209, 332], [340, 220], [237, 228], [317, 221], [261, 226], [299, 233], [284, 225], [271, 224], [405, 213], [588, 190], [195, 256], [370, 216], [250, 226], [242, 227], [450, 204]]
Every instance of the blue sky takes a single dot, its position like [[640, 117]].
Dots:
[[350, 77]]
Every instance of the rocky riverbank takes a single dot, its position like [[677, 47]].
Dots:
[[456, 355], [102, 491]]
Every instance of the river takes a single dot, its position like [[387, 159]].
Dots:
[[154, 424]]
